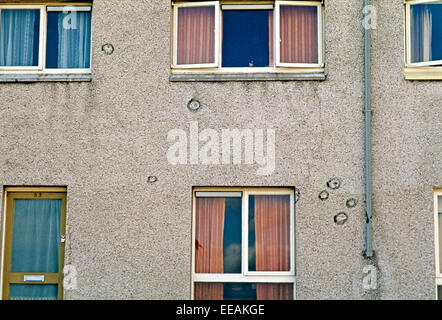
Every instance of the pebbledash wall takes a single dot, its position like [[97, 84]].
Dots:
[[131, 239]]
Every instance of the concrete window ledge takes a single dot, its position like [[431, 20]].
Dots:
[[178, 77], [45, 77], [423, 73]]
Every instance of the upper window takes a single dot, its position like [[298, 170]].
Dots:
[[424, 34], [244, 244], [276, 36], [45, 39]]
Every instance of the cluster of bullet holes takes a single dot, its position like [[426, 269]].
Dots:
[[334, 184]]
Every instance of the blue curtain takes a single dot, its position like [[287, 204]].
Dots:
[[19, 37], [33, 292], [74, 42], [35, 244]]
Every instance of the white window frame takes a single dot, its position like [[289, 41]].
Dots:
[[177, 6], [246, 276], [437, 235], [42, 38], [41, 68], [277, 42], [408, 62], [278, 66]]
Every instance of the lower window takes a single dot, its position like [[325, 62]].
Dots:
[[244, 246], [34, 243]]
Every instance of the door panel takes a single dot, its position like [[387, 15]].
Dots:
[[35, 224]]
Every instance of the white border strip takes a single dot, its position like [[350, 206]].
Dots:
[[247, 7], [221, 194]]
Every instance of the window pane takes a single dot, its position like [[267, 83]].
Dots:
[[68, 40], [36, 236], [243, 291], [196, 35], [247, 38], [426, 32], [218, 235], [299, 34], [269, 233], [439, 292], [19, 37], [33, 292]]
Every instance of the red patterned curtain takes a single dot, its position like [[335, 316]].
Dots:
[[208, 291], [272, 241], [272, 232], [274, 291], [271, 58], [299, 34], [210, 216], [196, 35]]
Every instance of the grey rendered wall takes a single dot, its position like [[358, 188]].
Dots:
[[129, 239]]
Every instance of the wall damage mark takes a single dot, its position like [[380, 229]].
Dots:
[[152, 179], [297, 194], [194, 105], [334, 183], [107, 48], [323, 195], [351, 203], [340, 218]]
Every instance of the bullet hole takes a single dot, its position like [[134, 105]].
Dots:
[[297, 195], [351, 203], [340, 218], [334, 183], [107, 49], [193, 105], [323, 195], [152, 179]]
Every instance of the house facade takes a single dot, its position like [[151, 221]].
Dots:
[[192, 150]]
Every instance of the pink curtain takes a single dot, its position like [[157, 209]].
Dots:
[[272, 232], [299, 34], [210, 215], [274, 291], [196, 35], [208, 291]]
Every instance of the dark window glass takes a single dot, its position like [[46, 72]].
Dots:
[[232, 236], [245, 38], [239, 291]]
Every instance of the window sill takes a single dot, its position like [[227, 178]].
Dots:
[[23, 77], [241, 76], [423, 73]]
